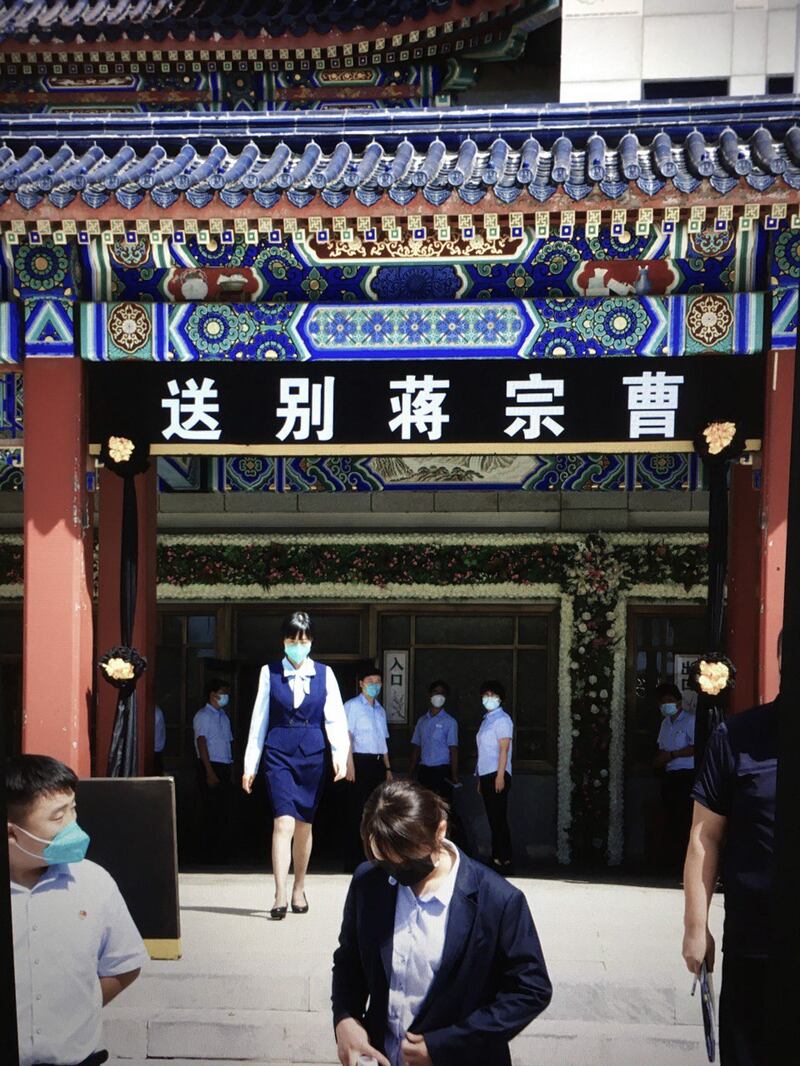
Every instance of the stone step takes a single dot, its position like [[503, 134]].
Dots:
[[308, 989], [258, 1038], [306, 1037]]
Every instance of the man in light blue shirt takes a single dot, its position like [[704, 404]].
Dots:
[[213, 742], [369, 762], [434, 745]]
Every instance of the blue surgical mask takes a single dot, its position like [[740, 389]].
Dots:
[[669, 709], [70, 844], [373, 690], [297, 652], [223, 699], [491, 703]]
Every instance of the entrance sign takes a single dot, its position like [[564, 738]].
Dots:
[[389, 407], [681, 680], [395, 686]]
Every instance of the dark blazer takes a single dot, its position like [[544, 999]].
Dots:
[[491, 983]]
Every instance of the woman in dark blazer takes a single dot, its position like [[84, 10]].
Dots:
[[442, 949], [297, 704]]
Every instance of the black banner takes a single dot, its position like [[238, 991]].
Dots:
[[393, 407]]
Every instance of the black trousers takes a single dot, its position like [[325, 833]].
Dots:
[[370, 772], [496, 804], [437, 778], [215, 804], [743, 1011], [676, 787]]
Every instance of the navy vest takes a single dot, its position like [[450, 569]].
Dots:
[[293, 727]]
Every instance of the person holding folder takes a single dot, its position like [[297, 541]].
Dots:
[[438, 958]]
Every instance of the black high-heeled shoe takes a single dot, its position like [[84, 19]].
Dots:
[[277, 914], [300, 910]]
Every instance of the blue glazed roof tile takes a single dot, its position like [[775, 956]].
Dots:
[[182, 20], [364, 159]]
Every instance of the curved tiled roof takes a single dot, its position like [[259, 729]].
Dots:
[[135, 20], [450, 158]]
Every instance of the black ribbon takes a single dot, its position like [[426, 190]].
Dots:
[[123, 752]]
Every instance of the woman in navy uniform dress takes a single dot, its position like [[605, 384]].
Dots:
[[298, 703]]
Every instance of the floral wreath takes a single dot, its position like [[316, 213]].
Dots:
[[711, 675], [720, 441], [125, 455], [122, 666]]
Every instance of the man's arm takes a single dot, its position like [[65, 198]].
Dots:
[[412, 762], [202, 748], [699, 880], [112, 986], [524, 991], [454, 763]]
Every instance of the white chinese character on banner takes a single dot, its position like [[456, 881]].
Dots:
[[191, 410], [419, 406], [534, 405], [306, 406], [652, 403]]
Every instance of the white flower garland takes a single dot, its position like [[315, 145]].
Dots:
[[564, 768]]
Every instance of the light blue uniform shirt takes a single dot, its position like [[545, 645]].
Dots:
[[420, 924], [674, 734], [367, 725], [495, 726], [70, 929], [215, 726], [435, 735]]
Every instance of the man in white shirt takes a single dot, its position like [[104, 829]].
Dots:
[[369, 764], [676, 758], [213, 741], [75, 944]]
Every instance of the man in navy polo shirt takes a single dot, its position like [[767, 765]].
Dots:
[[733, 828]]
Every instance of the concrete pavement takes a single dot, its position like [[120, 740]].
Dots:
[[251, 990]]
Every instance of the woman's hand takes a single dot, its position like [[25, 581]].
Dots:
[[339, 769], [500, 781], [352, 1041], [211, 778], [247, 782], [351, 769], [414, 1051]]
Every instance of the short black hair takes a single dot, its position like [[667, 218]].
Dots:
[[30, 776], [403, 818], [497, 687], [368, 668], [439, 684], [214, 684], [298, 623], [666, 688]]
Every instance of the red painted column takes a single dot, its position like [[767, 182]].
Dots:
[[774, 496], [744, 576], [57, 672], [108, 628]]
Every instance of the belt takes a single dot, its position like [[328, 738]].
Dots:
[[366, 755]]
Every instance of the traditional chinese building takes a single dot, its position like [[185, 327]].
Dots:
[[456, 367]]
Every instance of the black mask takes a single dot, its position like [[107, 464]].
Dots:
[[408, 873]]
